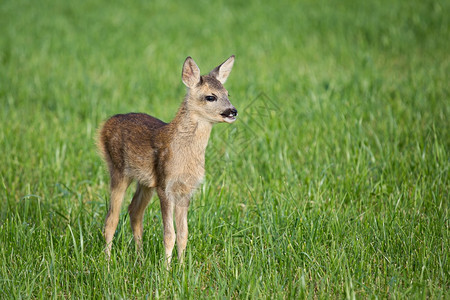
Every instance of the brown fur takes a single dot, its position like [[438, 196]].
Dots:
[[166, 157]]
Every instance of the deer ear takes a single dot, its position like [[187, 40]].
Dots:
[[221, 72], [191, 72]]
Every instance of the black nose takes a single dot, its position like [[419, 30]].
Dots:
[[234, 112]]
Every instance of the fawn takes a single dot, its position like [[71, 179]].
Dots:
[[166, 157]]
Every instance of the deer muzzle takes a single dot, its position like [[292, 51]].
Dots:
[[229, 115]]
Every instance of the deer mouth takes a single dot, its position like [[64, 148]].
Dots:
[[229, 115]]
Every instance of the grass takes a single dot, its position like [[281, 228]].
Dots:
[[333, 183]]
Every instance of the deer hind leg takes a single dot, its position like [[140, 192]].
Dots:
[[167, 207], [136, 210], [118, 189]]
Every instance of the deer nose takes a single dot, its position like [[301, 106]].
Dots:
[[234, 112]]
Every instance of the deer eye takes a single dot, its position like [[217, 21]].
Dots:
[[210, 98]]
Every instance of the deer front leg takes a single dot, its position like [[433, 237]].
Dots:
[[181, 212], [179, 193], [167, 208]]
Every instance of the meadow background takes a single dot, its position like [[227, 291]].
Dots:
[[332, 183]]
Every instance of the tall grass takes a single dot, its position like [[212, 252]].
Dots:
[[333, 183]]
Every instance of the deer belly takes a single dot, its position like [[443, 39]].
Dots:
[[145, 176]]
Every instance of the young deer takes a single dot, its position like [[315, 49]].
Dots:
[[166, 157]]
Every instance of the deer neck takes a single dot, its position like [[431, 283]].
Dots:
[[190, 131]]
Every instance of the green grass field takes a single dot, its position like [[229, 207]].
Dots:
[[333, 183]]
